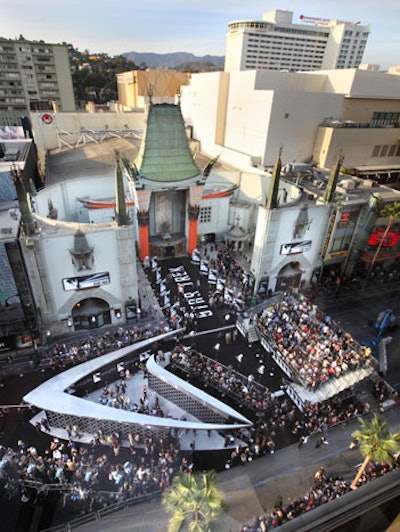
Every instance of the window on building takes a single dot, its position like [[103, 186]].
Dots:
[[205, 214], [382, 119], [376, 151], [341, 244], [384, 151], [347, 219]]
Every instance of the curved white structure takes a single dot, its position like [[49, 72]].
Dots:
[[63, 408]]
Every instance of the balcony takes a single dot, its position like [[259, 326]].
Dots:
[[375, 124]]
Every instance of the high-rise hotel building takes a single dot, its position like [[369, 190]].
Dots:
[[33, 75], [275, 43]]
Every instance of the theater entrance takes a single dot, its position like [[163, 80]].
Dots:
[[289, 277], [91, 313]]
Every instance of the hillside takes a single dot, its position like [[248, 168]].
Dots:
[[173, 60]]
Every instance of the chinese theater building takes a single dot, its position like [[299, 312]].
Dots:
[[167, 186]]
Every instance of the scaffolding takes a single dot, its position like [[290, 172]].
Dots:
[[83, 136]]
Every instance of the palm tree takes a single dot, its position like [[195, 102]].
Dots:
[[392, 212], [376, 443], [194, 500]]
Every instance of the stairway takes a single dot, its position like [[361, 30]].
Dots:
[[252, 334]]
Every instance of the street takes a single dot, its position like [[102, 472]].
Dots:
[[252, 490]]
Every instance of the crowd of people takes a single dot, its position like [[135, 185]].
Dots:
[[326, 488], [87, 477], [116, 396], [313, 346], [226, 285], [62, 354], [245, 389], [91, 476], [276, 421]]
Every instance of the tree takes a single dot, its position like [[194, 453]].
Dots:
[[194, 501], [94, 76], [376, 444]]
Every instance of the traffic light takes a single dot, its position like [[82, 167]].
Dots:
[[345, 217]]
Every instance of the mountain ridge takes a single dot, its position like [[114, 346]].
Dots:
[[171, 60]]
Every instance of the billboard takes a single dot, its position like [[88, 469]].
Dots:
[[86, 281], [295, 247]]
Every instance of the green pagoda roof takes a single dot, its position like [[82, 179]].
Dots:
[[164, 154]]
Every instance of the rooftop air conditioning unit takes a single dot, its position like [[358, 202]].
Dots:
[[368, 183], [347, 184]]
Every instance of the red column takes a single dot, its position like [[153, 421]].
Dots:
[[192, 236], [143, 241], [143, 222], [192, 229]]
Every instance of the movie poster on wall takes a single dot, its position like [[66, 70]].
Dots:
[[295, 247]]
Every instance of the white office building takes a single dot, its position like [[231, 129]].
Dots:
[[247, 117], [276, 43]]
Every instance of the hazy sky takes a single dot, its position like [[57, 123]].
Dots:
[[200, 27]]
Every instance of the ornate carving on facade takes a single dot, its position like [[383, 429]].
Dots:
[[82, 253], [27, 221], [193, 212], [53, 214], [302, 223], [143, 218]]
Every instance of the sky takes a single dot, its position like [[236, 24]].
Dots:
[[163, 26]]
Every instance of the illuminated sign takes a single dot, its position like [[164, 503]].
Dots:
[[388, 240], [345, 217], [295, 247], [337, 255], [47, 118], [312, 20], [86, 281], [131, 311]]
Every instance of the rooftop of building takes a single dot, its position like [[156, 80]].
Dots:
[[164, 155], [98, 160], [88, 160], [13, 152], [9, 221]]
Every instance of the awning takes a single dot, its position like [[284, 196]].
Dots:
[[90, 306], [378, 169], [290, 271], [236, 234], [368, 257]]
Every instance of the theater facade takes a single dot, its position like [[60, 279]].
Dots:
[[87, 235]]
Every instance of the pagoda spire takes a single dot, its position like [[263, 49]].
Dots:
[[272, 200], [121, 216], [333, 179]]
